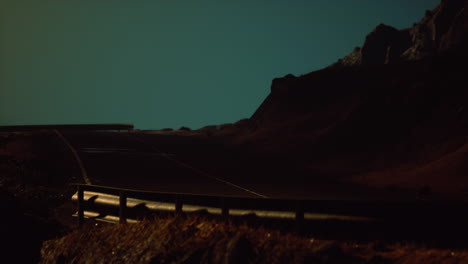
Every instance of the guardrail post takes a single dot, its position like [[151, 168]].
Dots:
[[299, 216], [224, 208], [80, 205], [178, 206], [123, 207]]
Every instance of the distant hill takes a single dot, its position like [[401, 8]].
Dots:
[[392, 113]]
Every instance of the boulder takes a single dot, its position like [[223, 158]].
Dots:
[[280, 84], [384, 45]]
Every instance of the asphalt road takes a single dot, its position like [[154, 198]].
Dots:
[[126, 160], [201, 165]]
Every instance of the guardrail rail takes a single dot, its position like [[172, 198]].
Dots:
[[124, 205]]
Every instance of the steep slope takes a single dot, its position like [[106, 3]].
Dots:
[[391, 113], [442, 29]]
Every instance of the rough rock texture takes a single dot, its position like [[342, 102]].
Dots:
[[384, 45], [441, 29]]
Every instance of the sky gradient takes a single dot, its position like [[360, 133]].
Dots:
[[160, 64]]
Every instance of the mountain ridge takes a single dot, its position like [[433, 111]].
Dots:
[[442, 29], [383, 118]]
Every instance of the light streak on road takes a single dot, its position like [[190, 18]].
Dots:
[[84, 174], [198, 171]]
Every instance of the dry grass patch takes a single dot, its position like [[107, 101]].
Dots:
[[196, 239]]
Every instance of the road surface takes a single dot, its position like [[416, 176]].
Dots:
[[125, 160], [200, 165]]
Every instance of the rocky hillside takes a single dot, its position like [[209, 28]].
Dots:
[[392, 113], [442, 29]]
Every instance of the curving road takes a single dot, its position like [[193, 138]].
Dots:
[[126, 160], [197, 164]]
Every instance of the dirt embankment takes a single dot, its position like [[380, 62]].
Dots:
[[203, 240]]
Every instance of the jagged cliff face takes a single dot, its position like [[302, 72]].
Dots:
[[383, 45], [398, 116], [442, 29]]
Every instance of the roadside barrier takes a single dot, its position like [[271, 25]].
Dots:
[[124, 205]]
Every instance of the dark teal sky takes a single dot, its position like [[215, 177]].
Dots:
[[171, 63]]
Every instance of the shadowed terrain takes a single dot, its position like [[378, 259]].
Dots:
[[391, 114], [388, 121]]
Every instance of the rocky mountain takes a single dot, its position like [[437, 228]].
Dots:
[[442, 29], [393, 113]]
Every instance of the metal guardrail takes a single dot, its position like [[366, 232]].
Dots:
[[67, 127], [124, 205]]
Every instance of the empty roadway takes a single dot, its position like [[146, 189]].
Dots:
[[197, 164], [123, 160]]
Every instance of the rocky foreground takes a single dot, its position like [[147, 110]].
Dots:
[[201, 240]]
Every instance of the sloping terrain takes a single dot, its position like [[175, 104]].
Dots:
[[400, 123]]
